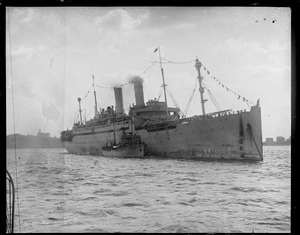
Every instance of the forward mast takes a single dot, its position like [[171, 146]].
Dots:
[[201, 88], [163, 78], [95, 97]]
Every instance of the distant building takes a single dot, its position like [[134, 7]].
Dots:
[[280, 139], [41, 134], [269, 140]]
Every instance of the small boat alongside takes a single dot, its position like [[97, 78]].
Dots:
[[129, 146]]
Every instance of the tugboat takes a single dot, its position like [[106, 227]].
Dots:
[[129, 146]]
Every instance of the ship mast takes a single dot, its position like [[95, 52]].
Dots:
[[163, 77], [201, 88], [80, 110], [95, 97]]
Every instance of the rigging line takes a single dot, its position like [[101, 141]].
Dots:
[[215, 100], [106, 87], [225, 85], [189, 104], [149, 67], [87, 93], [212, 98], [210, 95], [175, 103], [89, 113], [244, 99], [159, 95], [190, 100], [150, 71], [135, 77], [14, 122], [75, 115]]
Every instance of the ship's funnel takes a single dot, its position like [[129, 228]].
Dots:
[[139, 93], [119, 100]]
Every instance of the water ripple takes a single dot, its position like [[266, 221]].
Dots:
[[65, 192]]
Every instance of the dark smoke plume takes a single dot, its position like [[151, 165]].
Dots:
[[132, 79]]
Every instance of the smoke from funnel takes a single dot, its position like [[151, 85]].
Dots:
[[132, 79]]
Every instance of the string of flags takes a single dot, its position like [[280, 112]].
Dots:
[[173, 62], [138, 76], [107, 87], [87, 93], [227, 88]]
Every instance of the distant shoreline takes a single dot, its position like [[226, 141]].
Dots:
[[36, 148], [276, 144], [31, 141]]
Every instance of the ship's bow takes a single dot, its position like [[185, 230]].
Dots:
[[253, 139]]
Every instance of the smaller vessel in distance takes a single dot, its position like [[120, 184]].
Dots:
[[130, 145]]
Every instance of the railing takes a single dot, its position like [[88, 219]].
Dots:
[[10, 203], [211, 115]]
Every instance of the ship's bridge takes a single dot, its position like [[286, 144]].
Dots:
[[154, 109]]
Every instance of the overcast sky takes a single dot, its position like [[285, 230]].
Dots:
[[52, 54]]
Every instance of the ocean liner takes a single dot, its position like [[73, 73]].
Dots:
[[165, 133]]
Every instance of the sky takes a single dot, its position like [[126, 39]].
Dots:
[[52, 55]]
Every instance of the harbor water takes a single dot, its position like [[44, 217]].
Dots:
[[61, 192]]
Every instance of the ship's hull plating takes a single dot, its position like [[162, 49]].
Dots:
[[235, 136]]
